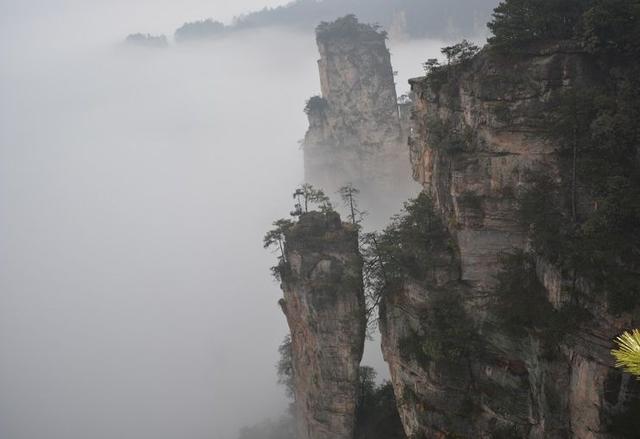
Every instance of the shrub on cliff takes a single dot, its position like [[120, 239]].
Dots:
[[316, 105], [447, 137], [274, 239], [459, 53], [448, 334], [409, 247]]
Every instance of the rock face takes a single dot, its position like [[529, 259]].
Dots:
[[325, 309], [476, 134], [355, 135]]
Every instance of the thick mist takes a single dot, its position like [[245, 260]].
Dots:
[[135, 188]]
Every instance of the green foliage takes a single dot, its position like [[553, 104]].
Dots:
[[306, 196], [568, 125], [459, 53], [410, 245], [456, 55], [348, 27], [603, 27], [602, 248], [449, 334], [431, 65], [612, 27], [349, 195], [516, 23], [571, 116], [627, 353], [588, 222], [276, 236], [275, 239], [437, 75], [446, 137], [316, 105], [540, 208]]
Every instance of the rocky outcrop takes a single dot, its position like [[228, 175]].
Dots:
[[477, 135], [325, 309], [477, 132], [355, 135]]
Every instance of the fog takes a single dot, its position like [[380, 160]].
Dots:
[[135, 188]]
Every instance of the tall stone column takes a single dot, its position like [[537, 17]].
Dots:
[[325, 309]]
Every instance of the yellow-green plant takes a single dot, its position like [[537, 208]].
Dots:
[[627, 354]]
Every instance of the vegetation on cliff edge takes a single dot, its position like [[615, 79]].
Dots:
[[600, 26]]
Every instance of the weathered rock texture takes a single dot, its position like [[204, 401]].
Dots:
[[355, 135], [476, 134], [325, 308]]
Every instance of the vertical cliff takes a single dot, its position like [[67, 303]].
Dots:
[[325, 307], [355, 134], [462, 364]]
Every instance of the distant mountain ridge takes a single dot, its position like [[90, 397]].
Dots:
[[408, 18]]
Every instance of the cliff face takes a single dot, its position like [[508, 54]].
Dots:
[[355, 134], [477, 133], [325, 308]]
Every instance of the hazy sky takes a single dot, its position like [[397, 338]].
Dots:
[[148, 11], [88, 19], [135, 188]]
